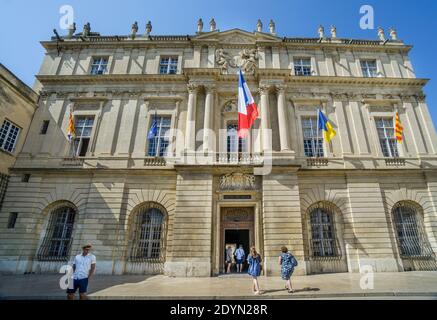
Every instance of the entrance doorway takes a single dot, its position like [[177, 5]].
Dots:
[[236, 227], [235, 238]]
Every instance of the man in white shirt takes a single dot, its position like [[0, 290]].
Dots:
[[83, 267]]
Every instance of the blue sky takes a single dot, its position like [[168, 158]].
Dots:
[[24, 23]]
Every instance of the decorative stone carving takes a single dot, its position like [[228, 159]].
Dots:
[[237, 181], [264, 89], [148, 28], [393, 34], [381, 34], [86, 29], [237, 214], [259, 26], [249, 60], [421, 97], [272, 27], [71, 30], [333, 32], [199, 25], [230, 106], [192, 87], [321, 32], [223, 60], [134, 29], [212, 25]]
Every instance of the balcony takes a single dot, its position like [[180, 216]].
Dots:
[[317, 162], [395, 162]]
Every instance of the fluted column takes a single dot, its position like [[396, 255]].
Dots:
[[265, 118], [190, 128], [207, 122], [283, 119]]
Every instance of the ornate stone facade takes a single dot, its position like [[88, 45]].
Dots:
[[207, 176]]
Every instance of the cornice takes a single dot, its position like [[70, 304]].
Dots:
[[261, 75]]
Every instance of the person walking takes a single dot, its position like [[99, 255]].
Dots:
[[229, 258], [239, 256], [287, 262], [83, 268], [254, 260]]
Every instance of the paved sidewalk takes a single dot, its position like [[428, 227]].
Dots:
[[418, 285]]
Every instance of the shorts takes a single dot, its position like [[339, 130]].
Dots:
[[81, 284], [240, 261]]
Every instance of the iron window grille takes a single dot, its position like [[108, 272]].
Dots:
[[168, 65], [302, 67], [159, 143], [410, 232], [369, 68], [12, 220], [148, 235], [312, 138], [386, 135], [324, 243], [99, 65], [8, 136], [84, 127], [57, 241]]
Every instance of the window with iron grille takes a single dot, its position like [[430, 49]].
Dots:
[[84, 127], [159, 143], [57, 241], [44, 127], [369, 68], [8, 136], [302, 66], [312, 138], [99, 65], [12, 220], [148, 234], [410, 233], [234, 143], [386, 135], [323, 239], [168, 65]]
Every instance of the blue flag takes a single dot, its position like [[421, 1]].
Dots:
[[153, 130]]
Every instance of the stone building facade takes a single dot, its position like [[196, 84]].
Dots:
[[18, 103], [169, 200]]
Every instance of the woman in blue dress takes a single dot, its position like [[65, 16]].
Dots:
[[287, 262], [254, 260]]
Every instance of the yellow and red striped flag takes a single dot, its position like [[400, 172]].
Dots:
[[399, 129]]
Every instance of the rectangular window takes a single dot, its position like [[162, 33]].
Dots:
[[8, 136], [168, 65], [12, 220], [84, 127], [386, 135], [99, 65], [44, 126], [302, 66], [312, 138], [159, 143], [369, 68], [234, 143]]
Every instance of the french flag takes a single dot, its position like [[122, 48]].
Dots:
[[247, 110]]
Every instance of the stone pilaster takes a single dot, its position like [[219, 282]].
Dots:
[[190, 129], [283, 119]]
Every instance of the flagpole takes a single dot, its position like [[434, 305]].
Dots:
[[317, 141]]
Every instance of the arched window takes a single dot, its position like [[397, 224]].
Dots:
[[323, 238], [57, 241], [410, 234], [148, 234]]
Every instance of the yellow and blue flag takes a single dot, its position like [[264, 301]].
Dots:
[[325, 125]]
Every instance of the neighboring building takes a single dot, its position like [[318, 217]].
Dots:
[[17, 105], [362, 199]]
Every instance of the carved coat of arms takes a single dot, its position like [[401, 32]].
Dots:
[[237, 181], [247, 60]]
